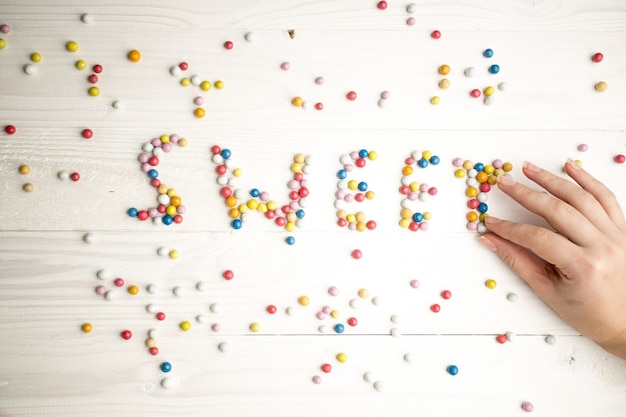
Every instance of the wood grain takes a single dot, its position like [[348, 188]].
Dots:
[[48, 273]]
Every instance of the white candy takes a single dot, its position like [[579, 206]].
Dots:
[[168, 383], [368, 376], [30, 69], [175, 70], [153, 333], [250, 36], [223, 347], [163, 251], [63, 175], [178, 291], [411, 8], [395, 332], [110, 295], [151, 308], [147, 147], [152, 288], [470, 72], [195, 80], [86, 18], [395, 319], [200, 318], [215, 308], [104, 274], [408, 357], [378, 386], [201, 286], [488, 100]]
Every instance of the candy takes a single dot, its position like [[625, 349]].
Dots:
[[601, 86], [382, 5], [619, 158], [228, 45], [71, 46], [528, 406], [134, 55], [452, 370], [435, 34], [597, 57], [87, 327]]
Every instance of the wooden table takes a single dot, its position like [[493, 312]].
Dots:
[[57, 238]]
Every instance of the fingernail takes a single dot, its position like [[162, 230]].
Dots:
[[488, 243], [505, 180], [573, 164], [531, 167], [492, 220]]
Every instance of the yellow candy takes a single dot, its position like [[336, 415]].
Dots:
[[427, 215], [185, 326], [334, 314], [361, 227], [434, 100], [491, 284], [272, 205], [3, 43], [171, 210], [71, 46], [255, 327], [87, 327], [237, 172], [353, 185], [81, 64], [579, 163], [165, 138], [342, 357], [252, 204], [489, 169], [370, 195], [297, 101], [351, 218], [205, 85], [342, 214], [444, 83], [360, 216], [427, 155], [296, 167], [304, 300], [94, 91], [262, 208], [444, 69], [219, 84], [489, 91], [414, 186], [482, 217], [185, 82], [174, 254], [406, 213], [36, 57], [243, 208], [290, 226], [405, 223], [372, 155], [507, 167], [171, 192], [459, 173], [24, 169], [364, 293]]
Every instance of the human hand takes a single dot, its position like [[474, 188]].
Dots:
[[579, 267]]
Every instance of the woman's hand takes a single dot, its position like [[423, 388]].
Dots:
[[579, 267]]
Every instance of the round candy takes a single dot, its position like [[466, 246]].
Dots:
[[5, 28], [357, 254], [36, 57], [444, 69], [255, 327], [435, 34], [528, 406], [435, 308], [228, 45], [185, 326], [601, 86], [166, 367], [619, 158], [71, 46], [491, 284], [351, 96], [75, 176], [3, 43], [453, 370], [10, 129], [228, 275], [24, 169], [339, 328], [597, 57], [434, 100], [494, 69], [87, 327], [94, 91], [87, 133], [382, 5], [488, 53], [290, 240], [126, 334], [134, 55]]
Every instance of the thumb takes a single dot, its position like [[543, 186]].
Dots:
[[528, 266]]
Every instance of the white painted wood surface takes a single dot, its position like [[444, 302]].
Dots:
[[48, 367]]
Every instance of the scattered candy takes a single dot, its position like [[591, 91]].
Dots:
[[583, 147], [75, 176], [528, 406], [228, 45], [87, 327], [24, 169], [28, 187], [36, 57], [285, 66], [86, 18], [435, 34], [453, 370], [488, 53], [126, 334], [29, 69], [550, 339], [601, 86], [382, 5], [619, 158], [597, 57], [10, 129], [134, 55], [491, 284], [356, 254], [89, 238], [512, 297], [166, 367], [71, 46]]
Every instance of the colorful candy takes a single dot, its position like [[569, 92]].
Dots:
[[415, 191], [349, 191]]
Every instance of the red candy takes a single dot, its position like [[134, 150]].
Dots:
[[228, 275], [126, 334], [93, 78], [153, 161], [119, 282], [155, 183], [357, 254], [183, 66], [178, 219], [382, 5], [74, 176], [142, 215], [228, 45], [435, 308], [10, 129], [597, 57], [216, 149], [271, 309], [501, 338], [435, 34], [319, 106], [326, 368], [154, 351], [280, 221], [371, 225], [87, 133], [351, 96], [160, 316], [360, 162], [97, 68], [446, 294], [352, 321], [619, 158], [475, 93], [221, 169], [226, 192]]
